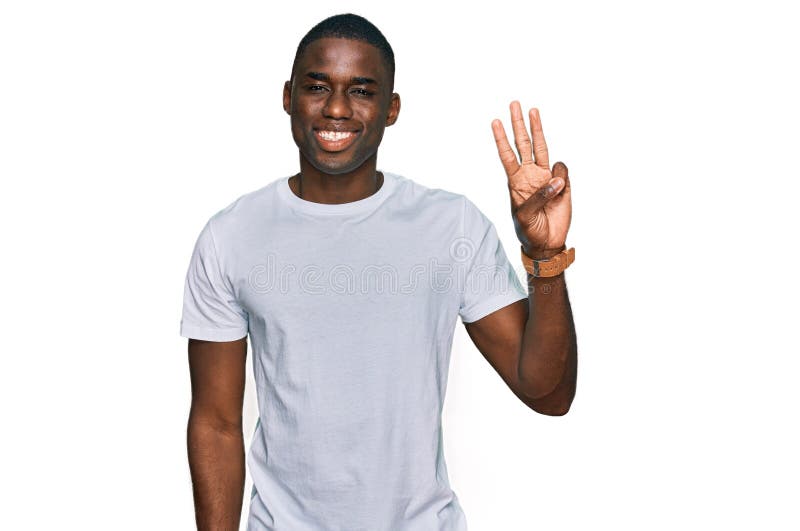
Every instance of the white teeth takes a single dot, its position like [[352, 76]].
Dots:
[[333, 136]]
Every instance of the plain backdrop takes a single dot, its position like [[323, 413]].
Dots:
[[125, 125]]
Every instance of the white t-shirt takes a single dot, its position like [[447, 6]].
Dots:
[[351, 310]]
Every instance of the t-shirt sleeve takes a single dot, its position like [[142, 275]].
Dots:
[[210, 309], [490, 282]]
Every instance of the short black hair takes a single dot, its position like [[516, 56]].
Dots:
[[349, 26]]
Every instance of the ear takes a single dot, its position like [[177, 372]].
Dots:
[[287, 97], [394, 109]]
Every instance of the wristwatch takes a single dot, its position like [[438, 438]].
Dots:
[[549, 267]]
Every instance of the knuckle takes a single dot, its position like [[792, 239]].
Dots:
[[507, 154]]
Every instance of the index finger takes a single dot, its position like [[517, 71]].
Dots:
[[540, 155], [507, 155]]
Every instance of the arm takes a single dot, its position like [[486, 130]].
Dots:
[[531, 343], [548, 363], [214, 433], [532, 346]]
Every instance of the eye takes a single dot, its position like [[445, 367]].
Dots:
[[362, 92], [316, 88]]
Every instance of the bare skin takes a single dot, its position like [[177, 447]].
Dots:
[[214, 435], [341, 86], [532, 343]]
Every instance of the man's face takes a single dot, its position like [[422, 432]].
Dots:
[[340, 101]]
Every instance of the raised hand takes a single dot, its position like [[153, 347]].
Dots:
[[541, 204]]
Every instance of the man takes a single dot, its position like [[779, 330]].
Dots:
[[351, 374]]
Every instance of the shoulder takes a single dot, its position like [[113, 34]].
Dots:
[[409, 190], [449, 205], [243, 211]]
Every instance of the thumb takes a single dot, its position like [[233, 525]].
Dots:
[[540, 197], [561, 171]]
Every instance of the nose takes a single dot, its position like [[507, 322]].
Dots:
[[337, 106]]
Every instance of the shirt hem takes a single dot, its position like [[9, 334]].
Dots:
[[491, 305], [211, 334]]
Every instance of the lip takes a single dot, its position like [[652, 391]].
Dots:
[[327, 144]]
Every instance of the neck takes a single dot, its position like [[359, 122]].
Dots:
[[333, 189]]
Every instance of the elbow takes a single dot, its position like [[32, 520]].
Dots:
[[541, 375], [537, 389], [206, 424], [557, 403], [558, 410], [550, 389]]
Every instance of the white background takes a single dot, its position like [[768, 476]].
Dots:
[[125, 125]]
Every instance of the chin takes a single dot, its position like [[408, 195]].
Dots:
[[335, 167]]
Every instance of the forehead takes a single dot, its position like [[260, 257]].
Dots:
[[339, 57]]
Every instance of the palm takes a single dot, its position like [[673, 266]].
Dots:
[[541, 221]]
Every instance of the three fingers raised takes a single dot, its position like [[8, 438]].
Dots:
[[530, 151]]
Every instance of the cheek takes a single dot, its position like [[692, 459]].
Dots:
[[299, 134], [299, 120], [376, 121]]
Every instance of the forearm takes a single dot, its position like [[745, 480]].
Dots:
[[549, 346], [217, 465]]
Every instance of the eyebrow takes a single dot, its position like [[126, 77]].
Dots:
[[356, 80]]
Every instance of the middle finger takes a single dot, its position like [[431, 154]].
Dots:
[[521, 138]]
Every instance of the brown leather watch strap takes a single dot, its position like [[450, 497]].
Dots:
[[551, 266]]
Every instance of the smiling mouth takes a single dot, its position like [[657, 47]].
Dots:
[[334, 140]]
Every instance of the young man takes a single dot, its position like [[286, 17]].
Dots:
[[349, 282]]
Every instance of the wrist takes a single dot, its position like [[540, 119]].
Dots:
[[542, 253]]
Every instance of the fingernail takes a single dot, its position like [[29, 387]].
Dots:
[[556, 184]]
